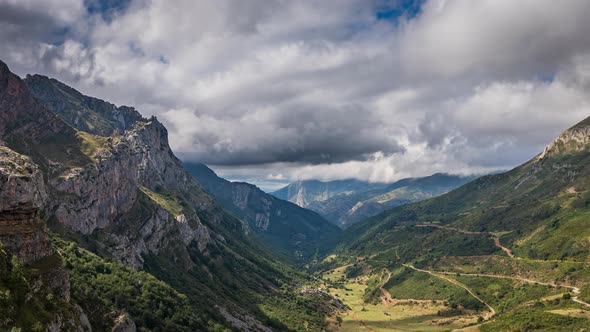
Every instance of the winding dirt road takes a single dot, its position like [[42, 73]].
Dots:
[[444, 275], [456, 283], [462, 231], [497, 243]]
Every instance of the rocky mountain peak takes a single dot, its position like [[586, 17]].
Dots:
[[21, 116], [82, 112], [575, 139]]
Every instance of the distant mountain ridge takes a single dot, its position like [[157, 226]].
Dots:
[[304, 193], [346, 202], [291, 229]]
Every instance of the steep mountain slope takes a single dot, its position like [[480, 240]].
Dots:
[[347, 202], [491, 237], [85, 113], [555, 183], [128, 199], [284, 226]]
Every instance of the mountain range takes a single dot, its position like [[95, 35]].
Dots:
[[103, 228], [346, 202]]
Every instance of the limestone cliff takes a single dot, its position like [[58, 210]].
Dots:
[[22, 194], [93, 181], [23, 234], [104, 193]]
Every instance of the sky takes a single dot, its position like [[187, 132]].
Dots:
[[274, 91]]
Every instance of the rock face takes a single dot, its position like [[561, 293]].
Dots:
[[22, 118], [103, 194], [575, 139], [124, 324], [24, 235], [305, 193], [94, 197], [54, 279], [22, 194], [93, 182]]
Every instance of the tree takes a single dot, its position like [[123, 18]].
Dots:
[[17, 282]]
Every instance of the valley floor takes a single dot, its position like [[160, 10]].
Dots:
[[393, 295], [390, 314]]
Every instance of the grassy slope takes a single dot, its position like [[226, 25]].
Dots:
[[166, 201]]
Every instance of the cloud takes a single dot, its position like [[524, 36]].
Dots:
[[27, 24], [494, 38], [278, 90], [71, 61]]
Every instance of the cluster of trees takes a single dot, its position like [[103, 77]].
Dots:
[[105, 289], [13, 288], [21, 307]]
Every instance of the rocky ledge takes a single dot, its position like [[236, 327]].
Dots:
[[22, 194]]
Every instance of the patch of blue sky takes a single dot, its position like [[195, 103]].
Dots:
[[106, 8], [395, 10]]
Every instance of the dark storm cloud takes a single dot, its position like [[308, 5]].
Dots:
[[313, 136]]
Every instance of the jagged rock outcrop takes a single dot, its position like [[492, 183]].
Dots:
[[22, 118], [61, 323], [93, 197], [575, 139], [124, 323], [22, 194], [307, 192], [93, 182], [157, 165], [571, 143], [54, 280], [102, 194]]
